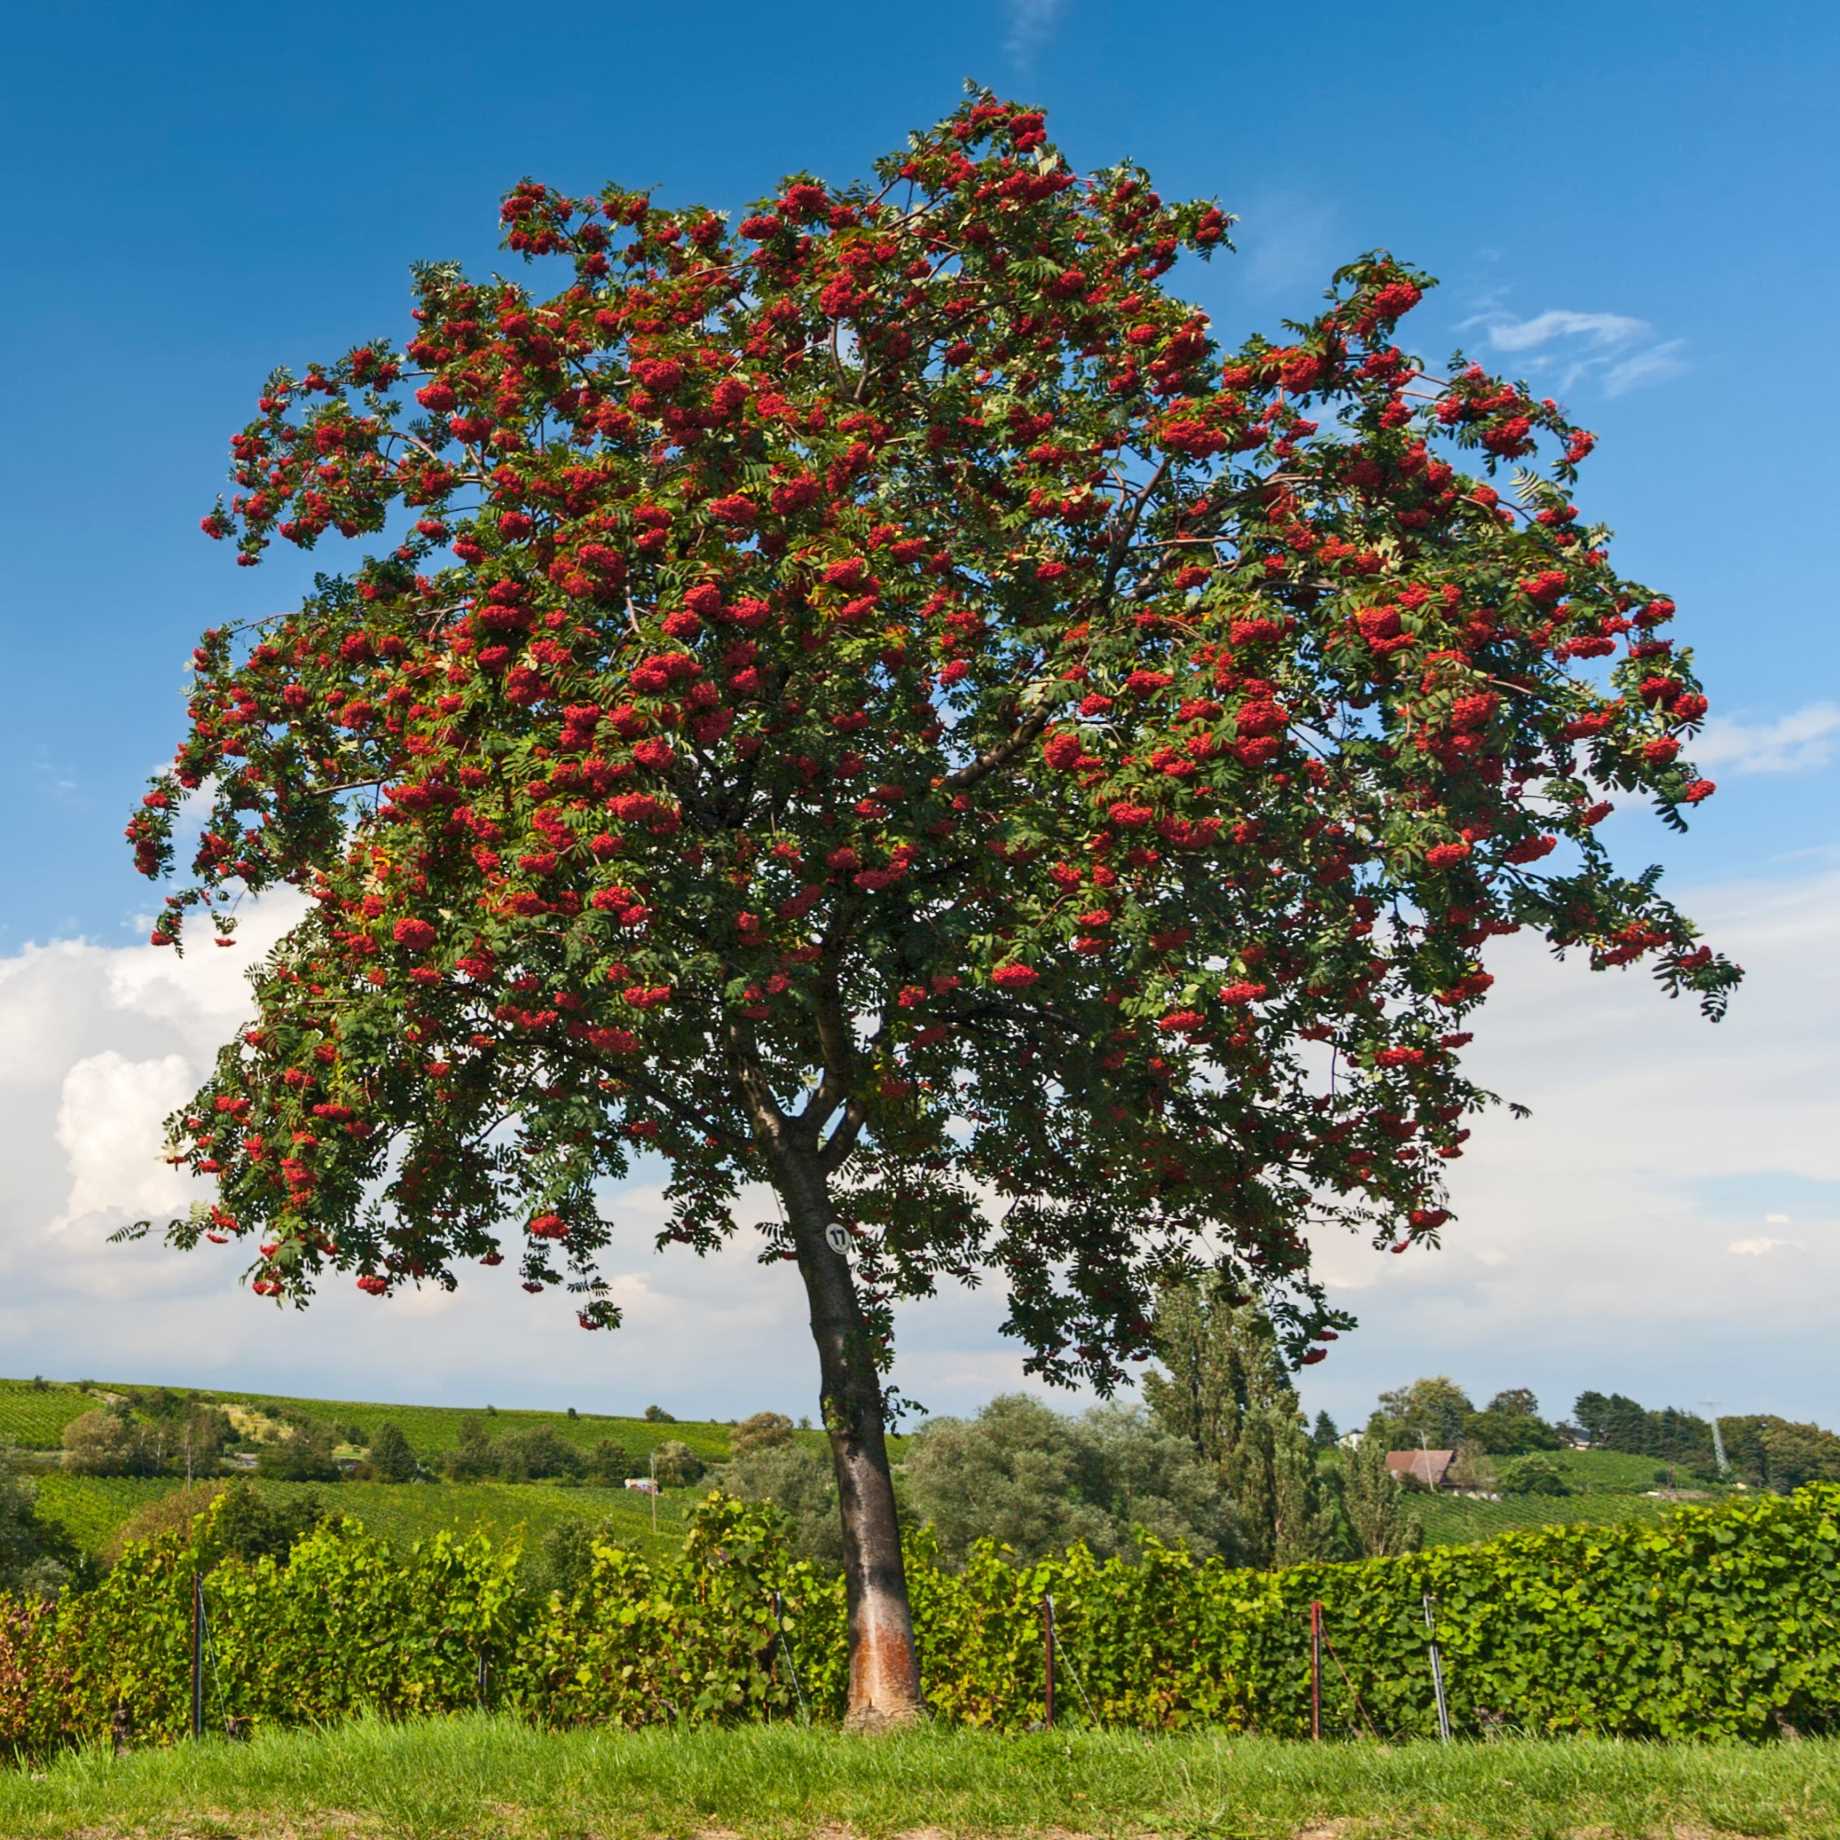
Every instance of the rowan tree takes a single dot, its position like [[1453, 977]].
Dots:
[[871, 699]]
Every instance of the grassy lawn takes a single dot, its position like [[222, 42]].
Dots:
[[477, 1779]]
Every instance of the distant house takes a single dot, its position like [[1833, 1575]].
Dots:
[[1429, 1468], [1351, 1440], [644, 1484]]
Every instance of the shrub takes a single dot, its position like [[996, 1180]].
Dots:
[[675, 1464], [304, 1457], [609, 1465], [761, 1432], [109, 1443], [389, 1458], [1533, 1475]]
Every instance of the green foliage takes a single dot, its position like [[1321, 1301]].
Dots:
[[110, 1442], [434, 1430], [1036, 1480], [760, 1432], [608, 1465], [1617, 1422], [675, 1465], [390, 1457], [1716, 1623], [304, 1457], [801, 1484], [1451, 1520], [1509, 1434], [1533, 1475], [1228, 1393], [247, 1522], [1771, 1453], [37, 1558], [1432, 1412], [1382, 1518]]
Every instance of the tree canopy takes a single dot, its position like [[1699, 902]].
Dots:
[[872, 698]]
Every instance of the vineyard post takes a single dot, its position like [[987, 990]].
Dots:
[[1047, 1659], [197, 1654], [1437, 1669], [1316, 1637]]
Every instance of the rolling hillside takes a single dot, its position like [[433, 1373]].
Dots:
[[34, 1418]]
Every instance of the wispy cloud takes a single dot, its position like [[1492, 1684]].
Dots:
[[1800, 742], [1655, 365], [1616, 350], [1599, 329], [1762, 1247], [1031, 25]]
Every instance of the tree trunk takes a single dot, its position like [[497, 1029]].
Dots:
[[884, 1669]]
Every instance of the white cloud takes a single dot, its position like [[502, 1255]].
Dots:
[[109, 1120], [1655, 365], [1799, 742], [1595, 1241], [1762, 1247], [1777, 1220], [1616, 350], [1601, 329], [1031, 25]]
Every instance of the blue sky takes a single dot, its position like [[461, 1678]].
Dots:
[[1632, 205]]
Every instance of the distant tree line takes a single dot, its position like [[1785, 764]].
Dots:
[[1220, 1459], [1765, 1451]]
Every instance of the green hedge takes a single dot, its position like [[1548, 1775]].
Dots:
[[1720, 1622]]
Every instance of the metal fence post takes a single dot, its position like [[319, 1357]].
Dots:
[[1437, 1669], [197, 1654], [1316, 1640], [1047, 1657]]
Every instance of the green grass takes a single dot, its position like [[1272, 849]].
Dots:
[[92, 1507], [481, 1778], [34, 1418]]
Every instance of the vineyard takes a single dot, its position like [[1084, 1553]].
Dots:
[[1714, 1623], [92, 1508], [34, 1417], [1454, 1520]]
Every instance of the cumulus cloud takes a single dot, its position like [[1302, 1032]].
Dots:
[[1599, 1243], [1594, 1244], [1799, 742], [1615, 350]]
